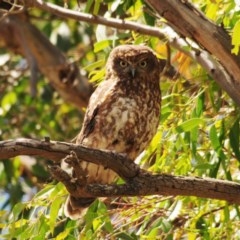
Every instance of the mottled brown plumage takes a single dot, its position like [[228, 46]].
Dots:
[[123, 113]]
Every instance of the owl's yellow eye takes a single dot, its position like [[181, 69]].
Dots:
[[123, 63], [143, 64]]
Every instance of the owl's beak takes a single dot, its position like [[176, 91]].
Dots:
[[133, 72]]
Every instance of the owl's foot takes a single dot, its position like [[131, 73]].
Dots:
[[75, 183]]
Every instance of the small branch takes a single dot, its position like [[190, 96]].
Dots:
[[94, 19], [138, 182]]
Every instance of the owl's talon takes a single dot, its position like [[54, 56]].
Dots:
[[79, 174], [62, 176]]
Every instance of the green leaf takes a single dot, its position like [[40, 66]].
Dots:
[[200, 105], [234, 138], [125, 236], [166, 111], [8, 100], [102, 45], [189, 125], [17, 210], [46, 190], [236, 38], [97, 76], [88, 6], [150, 20], [63, 235], [214, 138], [54, 209], [212, 10], [94, 65], [96, 6]]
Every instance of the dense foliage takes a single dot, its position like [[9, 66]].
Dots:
[[198, 135]]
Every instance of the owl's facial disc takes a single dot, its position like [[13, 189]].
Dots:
[[133, 68]]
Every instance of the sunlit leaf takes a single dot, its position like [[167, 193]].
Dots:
[[17, 210], [8, 100], [88, 6], [214, 138], [236, 38], [125, 236], [102, 45], [189, 124], [97, 76], [46, 190], [95, 65], [96, 6], [234, 135], [54, 209], [212, 10]]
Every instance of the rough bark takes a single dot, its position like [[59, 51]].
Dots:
[[138, 182]]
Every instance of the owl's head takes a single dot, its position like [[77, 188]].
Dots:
[[132, 62]]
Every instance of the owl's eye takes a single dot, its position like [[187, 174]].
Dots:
[[123, 63], [143, 64]]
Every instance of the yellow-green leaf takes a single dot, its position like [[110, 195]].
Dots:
[[189, 125], [236, 38]]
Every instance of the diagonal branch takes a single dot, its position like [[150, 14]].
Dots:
[[138, 182]]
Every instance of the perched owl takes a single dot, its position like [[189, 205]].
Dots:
[[122, 115]]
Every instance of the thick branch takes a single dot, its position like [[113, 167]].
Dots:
[[138, 182], [147, 184]]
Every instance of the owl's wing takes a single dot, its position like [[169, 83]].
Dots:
[[97, 99]]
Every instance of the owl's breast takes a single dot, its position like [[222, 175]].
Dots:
[[125, 125]]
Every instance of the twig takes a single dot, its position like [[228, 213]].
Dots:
[[94, 19]]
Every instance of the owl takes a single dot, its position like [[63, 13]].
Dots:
[[122, 115]]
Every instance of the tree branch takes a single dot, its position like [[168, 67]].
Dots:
[[95, 19], [138, 182], [56, 151]]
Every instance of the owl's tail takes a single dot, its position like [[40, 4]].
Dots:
[[75, 208]]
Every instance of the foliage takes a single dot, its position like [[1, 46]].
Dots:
[[198, 136]]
